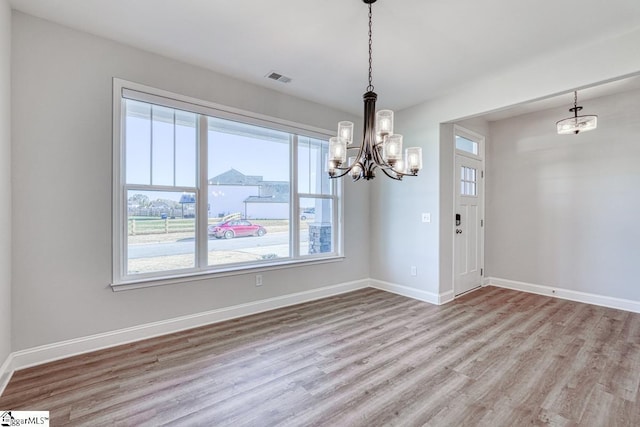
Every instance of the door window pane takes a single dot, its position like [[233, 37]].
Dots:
[[468, 181], [467, 145]]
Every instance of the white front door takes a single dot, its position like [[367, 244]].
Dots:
[[468, 223]]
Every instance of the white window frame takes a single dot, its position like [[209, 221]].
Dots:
[[123, 90]]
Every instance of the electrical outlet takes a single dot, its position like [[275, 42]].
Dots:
[[426, 217], [258, 279], [414, 270]]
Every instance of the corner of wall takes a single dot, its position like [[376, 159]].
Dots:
[[5, 193]]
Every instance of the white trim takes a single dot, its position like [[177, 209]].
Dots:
[[231, 270], [50, 352], [121, 279], [568, 294], [481, 140], [140, 92], [446, 297], [6, 372], [472, 136], [60, 350], [410, 292]]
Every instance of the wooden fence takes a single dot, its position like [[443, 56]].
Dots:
[[140, 226]]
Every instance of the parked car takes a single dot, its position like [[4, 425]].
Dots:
[[236, 228]]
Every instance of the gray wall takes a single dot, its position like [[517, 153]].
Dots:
[[562, 210], [5, 181], [398, 238], [62, 82]]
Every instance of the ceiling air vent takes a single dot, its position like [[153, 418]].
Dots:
[[278, 77]]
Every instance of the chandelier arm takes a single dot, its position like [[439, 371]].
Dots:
[[370, 154], [370, 171], [399, 173], [396, 177], [346, 171], [377, 157]]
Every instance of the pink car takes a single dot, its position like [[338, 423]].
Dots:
[[236, 228]]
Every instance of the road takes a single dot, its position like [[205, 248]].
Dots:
[[187, 246]]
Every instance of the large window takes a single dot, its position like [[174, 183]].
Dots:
[[201, 189]]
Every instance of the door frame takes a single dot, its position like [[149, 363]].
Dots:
[[481, 140]]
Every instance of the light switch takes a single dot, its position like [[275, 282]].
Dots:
[[426, 217]]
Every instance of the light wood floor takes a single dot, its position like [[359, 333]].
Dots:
[[367, 358]]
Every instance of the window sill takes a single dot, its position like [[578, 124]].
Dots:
[[223, 272]]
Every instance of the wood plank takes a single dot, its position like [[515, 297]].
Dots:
[[492, 357]]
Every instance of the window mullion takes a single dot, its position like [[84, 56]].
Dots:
[[294, 222], [119, 201], [174, 148], [151, 146], [202, 236]]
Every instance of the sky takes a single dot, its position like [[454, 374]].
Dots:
[[153, 157]]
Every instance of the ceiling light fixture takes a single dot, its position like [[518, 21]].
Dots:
[[576, 124], [380, 148]]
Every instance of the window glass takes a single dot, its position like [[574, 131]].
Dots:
[[185, 149], [160, 231], [316, 226], [468, 181], [245, 191], [138, 142], [467, 145], [312, 178], [162, 145], [248, 178]]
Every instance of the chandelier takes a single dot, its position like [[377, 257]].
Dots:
[[380, 148], [576, 124]]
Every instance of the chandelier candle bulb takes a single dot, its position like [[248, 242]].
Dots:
[[356, 170], [392, 149], [414, 159], [337, 151], [331, 170], [380, 149], [384, 123], [345, 132]]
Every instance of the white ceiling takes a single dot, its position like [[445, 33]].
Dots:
[[566, 100], [422, 48]]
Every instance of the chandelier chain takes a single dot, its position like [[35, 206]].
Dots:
[[370, 87]]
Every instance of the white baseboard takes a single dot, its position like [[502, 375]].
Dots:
[[446, 297], [595, 299], [414, 293], [50, 352], [47, 353], [6, 372]]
